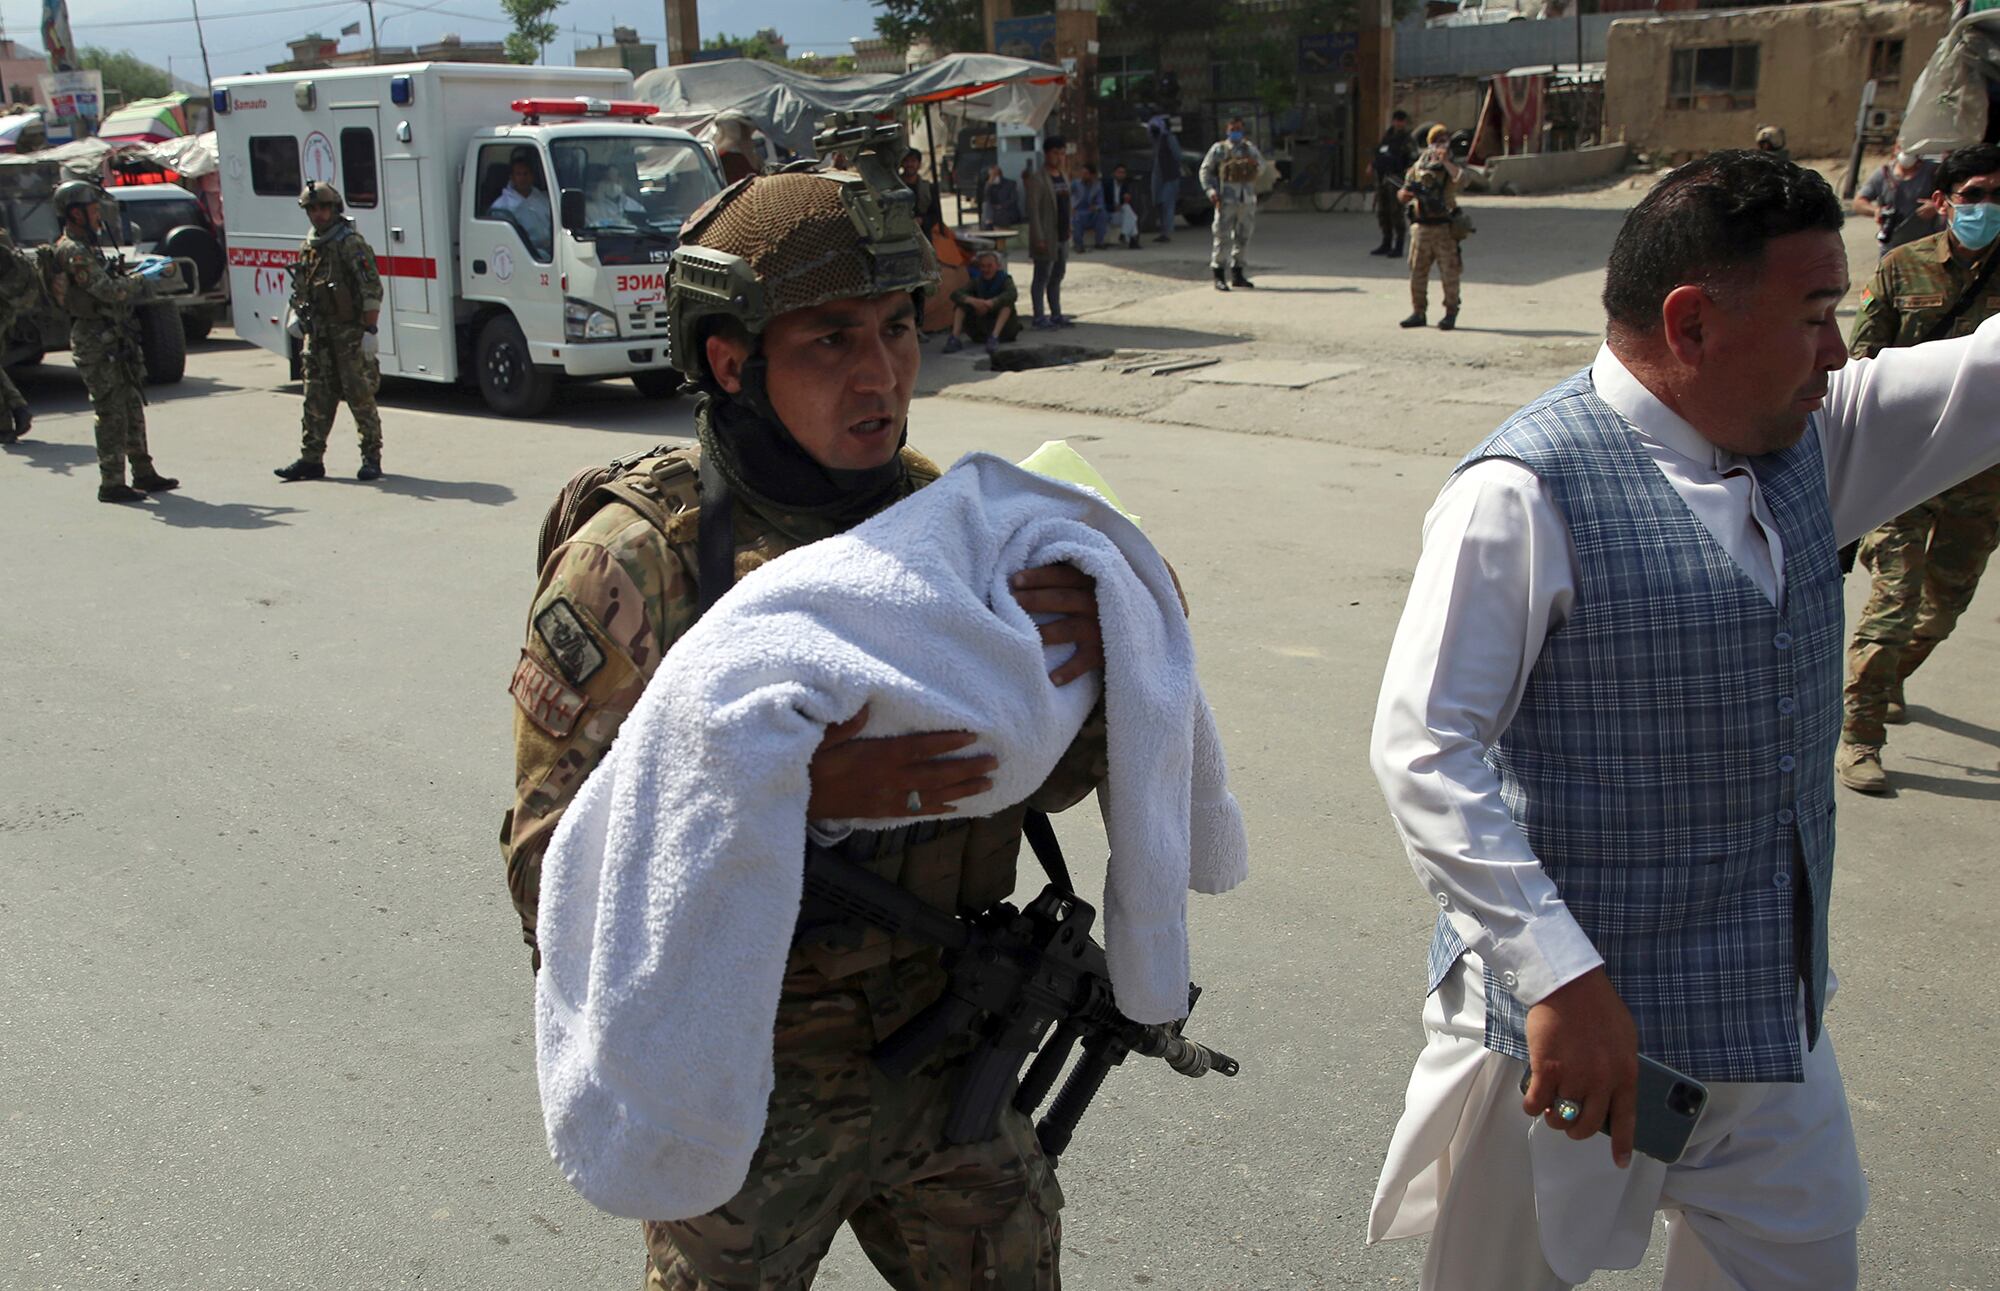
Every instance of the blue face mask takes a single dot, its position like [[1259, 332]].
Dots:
[[1975, 226], [1236, 136]]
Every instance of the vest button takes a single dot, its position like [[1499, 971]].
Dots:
[[1787, 762], [1782, 641], [1444, 902], [1787, 705], [1785, 816], [1782, 879], [1509, 980]]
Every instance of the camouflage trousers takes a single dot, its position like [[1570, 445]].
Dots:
[[1433, 244], [846, 1144], [1926, 564], [337, 371], [10, 394], [114, 378]]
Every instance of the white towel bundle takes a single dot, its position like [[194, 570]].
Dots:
[[670, 891]]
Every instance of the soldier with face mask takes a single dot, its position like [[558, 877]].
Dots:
[[1229, 177], [1927, 561], [104, 341], [801, 332]]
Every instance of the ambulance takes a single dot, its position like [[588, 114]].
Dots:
[[522, 217]]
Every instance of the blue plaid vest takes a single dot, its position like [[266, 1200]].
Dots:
[[1672, 759]]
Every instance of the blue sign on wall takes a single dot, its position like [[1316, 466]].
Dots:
[[1026, 37], [1328, 53]]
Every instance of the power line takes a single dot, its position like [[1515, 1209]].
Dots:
[[219, 17]]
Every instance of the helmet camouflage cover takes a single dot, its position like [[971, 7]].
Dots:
[[321, 194], [772, 244], [74, 193]]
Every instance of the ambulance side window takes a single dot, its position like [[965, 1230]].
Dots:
[[274, 165], [357, 163]]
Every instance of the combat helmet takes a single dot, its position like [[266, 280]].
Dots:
[[74, 193], [771, 244], [321, 193]]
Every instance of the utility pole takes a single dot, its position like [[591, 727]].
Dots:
[[683, 31], [1374, 84], [207, 76], [374, 44]]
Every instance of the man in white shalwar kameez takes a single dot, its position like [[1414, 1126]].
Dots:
[[1606, 733]]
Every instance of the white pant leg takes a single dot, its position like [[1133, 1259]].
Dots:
[[1705, 1253], [1219, 238], [1246, 224]]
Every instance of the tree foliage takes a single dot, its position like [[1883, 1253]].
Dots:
[[532, 28], [125, 74], [953, 25], [756, 46]]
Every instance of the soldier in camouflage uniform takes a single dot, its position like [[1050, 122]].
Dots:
[[18, 281], [104, 342], [1431, 189], [336, 304], [1927, 561], [803, 339]]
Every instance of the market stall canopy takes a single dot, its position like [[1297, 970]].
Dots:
[[144, 120], [23, 130], [1949, 103], [192, 157], [786, 104]]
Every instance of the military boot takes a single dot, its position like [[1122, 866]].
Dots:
[[119, 493], [1221, 283], [154, 482], [1387, 248], [1236, 278], [1859, 767], [371, 469], [301, 470], [21, 421], [1896, 712], [1415, 320], [1449, 321]]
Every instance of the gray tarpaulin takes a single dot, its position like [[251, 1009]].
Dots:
[[1948, 103], [786, 104]]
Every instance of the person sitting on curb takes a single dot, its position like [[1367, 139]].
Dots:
[[985, 306]]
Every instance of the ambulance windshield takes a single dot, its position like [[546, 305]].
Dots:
[[632, 184]]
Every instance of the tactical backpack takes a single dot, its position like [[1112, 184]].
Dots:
[[663, 495]]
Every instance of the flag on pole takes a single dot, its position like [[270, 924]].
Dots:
[[351, 29], [56, 37]]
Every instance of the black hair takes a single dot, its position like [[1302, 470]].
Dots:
[[1708, 220], [1089, 169], [1979, 159], [918, 153], [1053, 143], [1399, 115], [522, 157]]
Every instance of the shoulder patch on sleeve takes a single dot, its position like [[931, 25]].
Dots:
[[543, 699], [562, 630], [1921, 300]]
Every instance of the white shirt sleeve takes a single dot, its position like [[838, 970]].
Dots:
[[1495, 578], [1908, 424]]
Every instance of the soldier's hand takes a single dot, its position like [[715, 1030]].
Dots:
[[1069, 592], [857, 779]]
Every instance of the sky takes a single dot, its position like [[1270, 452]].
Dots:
[[244, 36]]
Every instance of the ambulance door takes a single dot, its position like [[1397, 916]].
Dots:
[[359, 177], [509, 242]]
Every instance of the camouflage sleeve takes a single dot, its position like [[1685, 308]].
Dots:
[[367, 277], [1875, 322], [1081, 768], [88, 274], [611, 601]]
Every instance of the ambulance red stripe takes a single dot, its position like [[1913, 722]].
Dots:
[[388, 266]]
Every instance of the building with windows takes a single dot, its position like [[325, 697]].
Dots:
[[1686, 83]]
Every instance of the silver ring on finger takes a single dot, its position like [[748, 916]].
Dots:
[[915, 802], [1567, 1110]]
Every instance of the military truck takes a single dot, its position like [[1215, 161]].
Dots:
[[41, 326]]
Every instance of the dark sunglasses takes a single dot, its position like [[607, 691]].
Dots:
[[1974, 196]]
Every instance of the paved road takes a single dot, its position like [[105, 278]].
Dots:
[[266, 1020]]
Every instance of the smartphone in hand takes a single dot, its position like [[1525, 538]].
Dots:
[[1670, 1106]]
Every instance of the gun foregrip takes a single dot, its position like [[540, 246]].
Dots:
[[1059, 1126]]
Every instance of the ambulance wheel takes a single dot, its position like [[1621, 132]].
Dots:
[[508, 381], [197, 323], [658, 383]]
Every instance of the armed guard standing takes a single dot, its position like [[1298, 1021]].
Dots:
[[336, 304], [104, 341], [1431, 189], [801, 331], [17, 282], [1229, 177]]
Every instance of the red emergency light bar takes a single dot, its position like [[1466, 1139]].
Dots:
[[533, 109], [128, 179]]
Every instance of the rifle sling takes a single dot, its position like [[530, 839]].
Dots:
[[715, 550]]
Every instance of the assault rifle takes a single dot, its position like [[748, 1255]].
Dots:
[[1013, 974]]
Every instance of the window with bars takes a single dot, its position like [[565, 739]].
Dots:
[[1885, 62], [1713, 78]]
